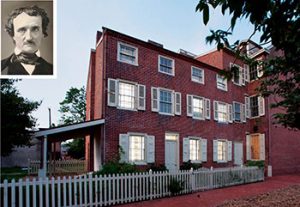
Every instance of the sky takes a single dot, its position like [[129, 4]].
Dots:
[[173, 23]]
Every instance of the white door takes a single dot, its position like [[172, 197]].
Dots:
[[238, 153], [171, 155]]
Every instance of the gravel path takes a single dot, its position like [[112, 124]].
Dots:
[[286, 197]]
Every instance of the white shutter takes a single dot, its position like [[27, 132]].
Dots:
[[248, 147], [154, 99], [247, 105], [215, 150], [261, 105], [243, 111], [178, 103], [262, 146], [207, 108], [189, 106], [216, 110], [247, 73], [242, 76], [204, 150], [124, 144], [229, 150], [141, 97], [112, 92], [150, 149], [173, 102], [230, 113], [260, 71], [186, 150]]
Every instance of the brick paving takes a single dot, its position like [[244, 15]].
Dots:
[[218, 196]]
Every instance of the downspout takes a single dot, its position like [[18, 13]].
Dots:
[[103, 92], [269, 140]]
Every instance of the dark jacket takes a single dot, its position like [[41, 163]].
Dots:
[[9, 67]]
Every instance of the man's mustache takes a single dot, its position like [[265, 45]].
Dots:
[[29, 42]]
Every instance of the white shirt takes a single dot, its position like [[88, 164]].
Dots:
[[29, 68]]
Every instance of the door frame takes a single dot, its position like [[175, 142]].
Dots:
[[177, 146]]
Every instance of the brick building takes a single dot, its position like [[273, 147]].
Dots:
[[167, 108]]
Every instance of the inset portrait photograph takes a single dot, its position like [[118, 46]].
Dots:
[[27, 39]]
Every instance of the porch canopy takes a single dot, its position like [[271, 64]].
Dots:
[[63, 133]]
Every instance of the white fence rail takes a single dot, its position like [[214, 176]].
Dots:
[[117, 189], [58, 167]]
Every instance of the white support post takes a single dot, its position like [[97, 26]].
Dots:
[[43, 171]]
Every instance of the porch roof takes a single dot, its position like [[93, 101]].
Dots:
[[71, 131]]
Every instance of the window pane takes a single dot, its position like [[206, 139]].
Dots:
[[222, 112], [165, 104], [221, 150], [194, 149], [221, 82], [197, 107], [254, 106], [197, 74], [136, 148], [126, 95], [127, 54], [237, 112], [166, 65]]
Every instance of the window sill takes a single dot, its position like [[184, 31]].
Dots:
[[134, 64], [199, 82], [126, 109], [167, 114], [166, 73]]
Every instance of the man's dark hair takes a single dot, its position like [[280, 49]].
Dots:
[[31, 11]]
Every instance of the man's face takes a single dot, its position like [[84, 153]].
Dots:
[[27, 32]]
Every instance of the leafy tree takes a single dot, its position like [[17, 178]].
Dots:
[[278, 23], [16, 120], [72, 109], [73, 106]]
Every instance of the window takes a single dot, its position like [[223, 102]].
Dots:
[[253, 72], [255, 147], [165, 65], [239, 74], [126, 95], [198, 107], [195, 145], [237, 111], [221, 111], [165, 101], [197, 75], [221, 82], [136, 148], [256, 106], [194, 149], [127, 53], [222, 150]]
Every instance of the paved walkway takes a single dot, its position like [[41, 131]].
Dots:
[[218, 196]]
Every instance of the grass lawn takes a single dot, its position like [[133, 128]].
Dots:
[[12, 173]]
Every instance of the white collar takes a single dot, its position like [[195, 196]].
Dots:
[[18, 51]]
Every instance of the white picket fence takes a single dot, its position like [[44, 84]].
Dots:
[[58, 167], [117, 189]]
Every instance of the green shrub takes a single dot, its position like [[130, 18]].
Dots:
[[157, 168], [175, 186], [188, 165], [259, 163], [114, 167]]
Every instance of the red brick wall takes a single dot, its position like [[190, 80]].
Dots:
[[123, 121], [214, 58]]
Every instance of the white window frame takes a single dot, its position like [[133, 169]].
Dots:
[[198, 142], [224, 141], [135, 55], [261, 106], [242, 75], [137, 98], [195, 79], [228, 120], [202, 149], [173, 65], [262, 150], [149, 148], [172, 101], [227, 153], [222, 81], [234, 112]]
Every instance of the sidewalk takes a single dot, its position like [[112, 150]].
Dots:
[[218, 196]]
